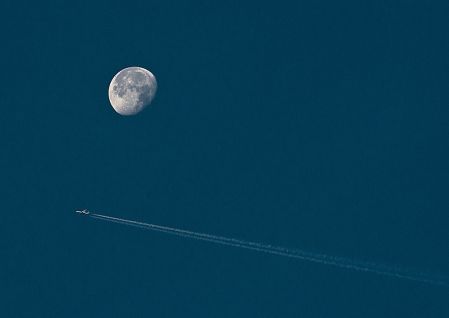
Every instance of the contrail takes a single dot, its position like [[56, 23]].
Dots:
[[385, 270]]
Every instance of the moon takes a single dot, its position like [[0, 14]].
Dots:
[[131, 90]]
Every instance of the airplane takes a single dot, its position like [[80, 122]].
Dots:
[[85, 211]]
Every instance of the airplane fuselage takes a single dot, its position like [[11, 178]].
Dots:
[[85, 211]]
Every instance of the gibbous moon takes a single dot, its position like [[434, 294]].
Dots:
[[131, 90]]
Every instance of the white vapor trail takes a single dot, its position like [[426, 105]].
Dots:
[[341, 262]]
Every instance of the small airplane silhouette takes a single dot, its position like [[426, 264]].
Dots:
[[85, 211]]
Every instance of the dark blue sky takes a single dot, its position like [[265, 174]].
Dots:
[[317, 125]]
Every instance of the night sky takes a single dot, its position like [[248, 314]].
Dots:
[[317, 125]]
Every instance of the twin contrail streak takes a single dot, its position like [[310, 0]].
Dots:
[[282, 251]]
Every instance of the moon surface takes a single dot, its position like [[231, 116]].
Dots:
[[131, 90]]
